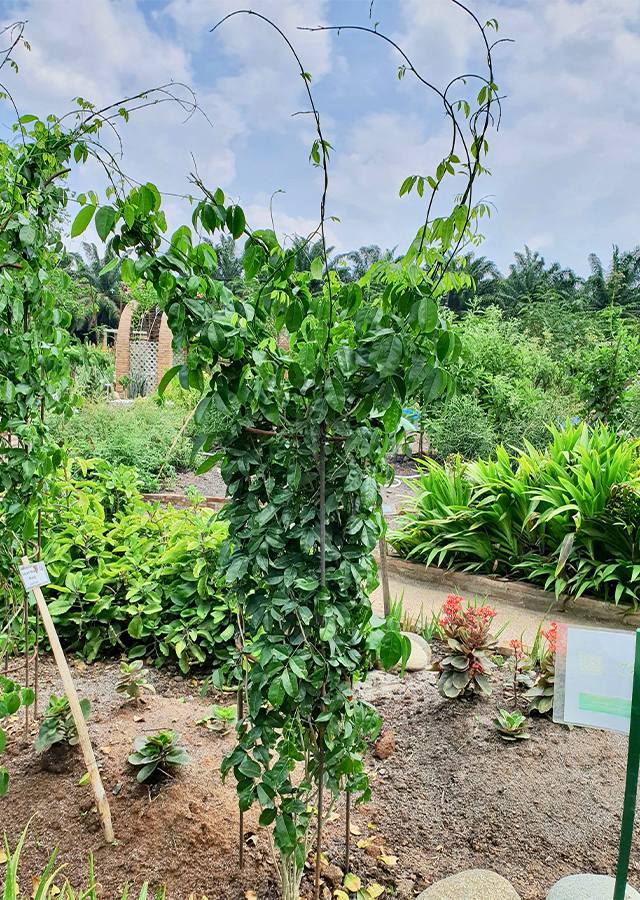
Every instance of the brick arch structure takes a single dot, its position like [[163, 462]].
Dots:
[[148, 351]]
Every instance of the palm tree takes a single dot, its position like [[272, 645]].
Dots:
[[530, 282], [102, 304], [486, 282], [354, 265], [229, 269], [619, 285]]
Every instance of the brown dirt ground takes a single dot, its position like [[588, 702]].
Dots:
[[453, 796]]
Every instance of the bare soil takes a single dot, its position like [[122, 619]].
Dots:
[[453, 796]]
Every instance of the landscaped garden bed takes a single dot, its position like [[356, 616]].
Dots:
[[452, 796]]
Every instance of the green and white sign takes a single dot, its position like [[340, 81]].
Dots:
[[594, 677], [598, 685]]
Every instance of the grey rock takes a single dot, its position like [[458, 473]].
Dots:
[[418, 659], [418, 639], [587, 887], [476, 884]]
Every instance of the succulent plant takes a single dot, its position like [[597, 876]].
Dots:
[[512, 726]]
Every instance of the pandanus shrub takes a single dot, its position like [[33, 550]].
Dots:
[[466, 630]]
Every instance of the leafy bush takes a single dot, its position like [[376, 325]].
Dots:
[[139, 435], [131, 576], [463, 429], [12, 697], [567, 519], [92, 369], [132, 680]]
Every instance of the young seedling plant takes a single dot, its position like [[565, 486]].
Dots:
[[132, 681], [157, 753], [58, 725], [220, 718], [512, 726]]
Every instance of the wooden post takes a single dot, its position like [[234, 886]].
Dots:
[[78, 718], [384, 576]]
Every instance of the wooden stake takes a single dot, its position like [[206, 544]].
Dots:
[[239, 715], [78, 718], [347, 836], [384, 576]]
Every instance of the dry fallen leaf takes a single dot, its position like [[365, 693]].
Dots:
[[3, 856], [389, 860], [105, 749], [354, 829], [35, 884], [374, 890], [250, 837], [340, 895], [250, 895], [352, 882], [332, 818], [138, 718], [364, 843], [54, 891]]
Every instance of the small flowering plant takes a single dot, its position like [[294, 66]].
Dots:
[[520, 666], [540, 696], [466, 633]]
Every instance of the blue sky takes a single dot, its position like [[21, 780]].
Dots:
[[565, 162]]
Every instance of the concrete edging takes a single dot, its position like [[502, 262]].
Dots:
[[518, 593]]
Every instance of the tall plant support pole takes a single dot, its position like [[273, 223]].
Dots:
[[74, 704], [347, 834], [384, 576], [25, 610], [323, 580], [631, 786], [239, 714]]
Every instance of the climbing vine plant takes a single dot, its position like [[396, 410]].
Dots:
[[314, 385]]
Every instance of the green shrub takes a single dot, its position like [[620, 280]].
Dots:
[[139, 435], [567, 519], [464, 429], [133, 577]]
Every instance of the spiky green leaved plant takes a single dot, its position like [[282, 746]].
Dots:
[[157, 752], [512, 726], [540, 696]]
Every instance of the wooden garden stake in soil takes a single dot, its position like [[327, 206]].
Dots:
[[239, 714], [78, 718], [384, 576]]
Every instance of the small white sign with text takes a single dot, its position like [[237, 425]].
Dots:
[[594, 677], [34, 575]]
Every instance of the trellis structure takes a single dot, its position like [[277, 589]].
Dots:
[[143, 350]]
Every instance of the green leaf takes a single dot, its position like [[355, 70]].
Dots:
[[334, 393], [109, 266], [237, 223], [296, 376], [105, 221], [276, 693], [128, 271], [369, 492], [316, 268], [433, 385], [294, 316], [390, 355], [168, 376], [135, 627], [82, 220]]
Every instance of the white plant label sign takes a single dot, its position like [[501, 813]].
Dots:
[[34, 575], [594, 677]]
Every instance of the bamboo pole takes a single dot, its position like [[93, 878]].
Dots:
[[74, 704]]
